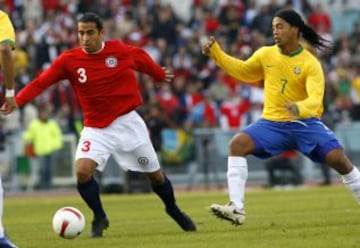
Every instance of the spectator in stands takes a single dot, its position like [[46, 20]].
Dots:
[[157, 120], [231, 17], [220, 91], [164, 25], [319, 18], [168, 101], [102, 8], [303, 7], [233, 112], [205, 114], [33, 11], [29, 113], [262, 22], [44, 136], [188, 95]]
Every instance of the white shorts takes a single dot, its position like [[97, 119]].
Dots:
[[126, 138]]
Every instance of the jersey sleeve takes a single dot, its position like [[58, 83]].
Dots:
[[50, 76], [249, 71], [7, 32], [315, 87], [145, 64]]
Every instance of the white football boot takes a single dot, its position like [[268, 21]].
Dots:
[[229, 212]]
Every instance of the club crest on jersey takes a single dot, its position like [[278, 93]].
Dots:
[[143, 161], [111, 62], [297, 70]]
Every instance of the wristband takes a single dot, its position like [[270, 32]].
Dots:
[[9, 93]]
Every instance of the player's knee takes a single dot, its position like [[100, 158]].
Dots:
[[156, 178], [240, 145], [83, 176], [84, 170], [338, 160]]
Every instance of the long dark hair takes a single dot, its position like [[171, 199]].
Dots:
[[309, 34]]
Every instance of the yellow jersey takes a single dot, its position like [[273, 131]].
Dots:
[[298, 78], [7, 33]]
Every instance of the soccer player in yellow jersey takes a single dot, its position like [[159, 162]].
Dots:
[[294, 88], [7, 42]]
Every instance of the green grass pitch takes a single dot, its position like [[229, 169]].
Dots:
[[309, 217]]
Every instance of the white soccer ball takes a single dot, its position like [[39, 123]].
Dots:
[[68, 222]]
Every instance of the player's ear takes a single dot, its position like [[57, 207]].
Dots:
[[102, 32]]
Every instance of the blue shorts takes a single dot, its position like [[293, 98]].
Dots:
[[308, 136]]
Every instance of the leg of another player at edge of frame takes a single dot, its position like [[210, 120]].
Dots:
[[4, 240]]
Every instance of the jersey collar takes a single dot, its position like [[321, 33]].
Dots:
[[98, 51], [294, 53]]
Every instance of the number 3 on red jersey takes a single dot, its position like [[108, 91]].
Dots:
[[82, 75]]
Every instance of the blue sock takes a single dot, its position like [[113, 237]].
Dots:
[[166, 193], [90, 193]]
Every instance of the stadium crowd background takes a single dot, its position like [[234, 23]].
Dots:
[[171, 32]]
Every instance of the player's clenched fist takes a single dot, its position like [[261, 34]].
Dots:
[[207, 45], [168, 75], [8, 106]]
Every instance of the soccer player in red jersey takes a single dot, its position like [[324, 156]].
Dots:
[[102, 76]]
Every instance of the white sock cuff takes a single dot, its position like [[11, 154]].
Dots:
[[351, 176], [237, 162]]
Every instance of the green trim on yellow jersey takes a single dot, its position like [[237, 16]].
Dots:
[[294, 53], [7, 32], [295, 79], [10, 42]]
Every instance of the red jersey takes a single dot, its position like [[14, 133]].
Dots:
[[233, 111], [104, 83]]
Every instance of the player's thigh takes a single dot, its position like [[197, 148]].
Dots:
[[142, 158], [241, 144], [268, 138], [93, 145], [315, 140]]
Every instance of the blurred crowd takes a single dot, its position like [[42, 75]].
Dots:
[[172, 31]]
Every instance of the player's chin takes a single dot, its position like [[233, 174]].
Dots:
[[87, 49]]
